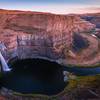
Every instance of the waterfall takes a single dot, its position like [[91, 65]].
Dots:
[[5, 67]]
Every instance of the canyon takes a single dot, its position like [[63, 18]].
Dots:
[[70, 40], [47, 36]]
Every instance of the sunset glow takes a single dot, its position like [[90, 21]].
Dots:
[[53, 6]]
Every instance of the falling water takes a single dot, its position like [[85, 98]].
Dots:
[[5, 67]]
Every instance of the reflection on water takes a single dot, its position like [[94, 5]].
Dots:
[[34, 76]]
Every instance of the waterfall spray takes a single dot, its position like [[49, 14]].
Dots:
[[5, 67]]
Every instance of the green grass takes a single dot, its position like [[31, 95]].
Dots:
[[81, 81]]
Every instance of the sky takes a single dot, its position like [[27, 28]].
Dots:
[[53, 6]]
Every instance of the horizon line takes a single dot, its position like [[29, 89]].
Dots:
[[28, 10]]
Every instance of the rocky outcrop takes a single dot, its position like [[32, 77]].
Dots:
[[33, 34], [92, 18]]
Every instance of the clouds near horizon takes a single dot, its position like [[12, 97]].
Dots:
[[53, 6]]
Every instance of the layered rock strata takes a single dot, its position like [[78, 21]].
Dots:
[[32, 34]]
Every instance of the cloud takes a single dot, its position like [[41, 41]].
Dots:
[[93, 9], [96, 8], [53, 8]]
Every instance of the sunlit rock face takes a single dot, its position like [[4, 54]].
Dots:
[[31, 34]]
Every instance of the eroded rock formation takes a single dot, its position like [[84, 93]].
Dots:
[[32, 34]]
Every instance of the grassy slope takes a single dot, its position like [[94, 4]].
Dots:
[[78, 88]]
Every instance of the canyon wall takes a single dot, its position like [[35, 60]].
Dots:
[[34, 34]]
